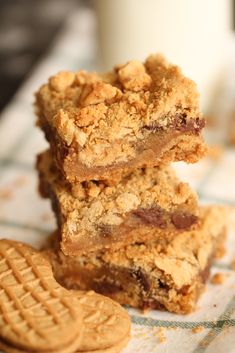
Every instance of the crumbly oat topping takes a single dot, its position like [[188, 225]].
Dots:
[[61, 81], [133, 76], [98, 92], [104, 116], [87, 205]]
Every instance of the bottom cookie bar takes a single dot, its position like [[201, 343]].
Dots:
[[165, 274]]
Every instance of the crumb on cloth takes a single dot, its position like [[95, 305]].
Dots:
[[197, 329], [6, 193], [159, 333], [233, 264], [215, 152], [20, 181], [218, 278]]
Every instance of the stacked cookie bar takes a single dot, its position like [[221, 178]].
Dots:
[[127, 227]]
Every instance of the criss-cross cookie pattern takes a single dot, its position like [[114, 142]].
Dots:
[[35, 311], [102, 317]]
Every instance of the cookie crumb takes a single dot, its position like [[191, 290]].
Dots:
[[61, 81], [133, 76], [46, 216], [20, 181], [215, 152], [6, 194], [197, 329], [159, 333], [233, 265], [162, 335], [139, 333], [220, 252], [218, 278]]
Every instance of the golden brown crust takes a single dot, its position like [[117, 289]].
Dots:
[[105, 119], [144, 204], [166, 274]]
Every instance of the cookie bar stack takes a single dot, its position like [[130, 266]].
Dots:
[[127, 227]]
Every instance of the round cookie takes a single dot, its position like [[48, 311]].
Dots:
[[36, 313], [115, 349], [106, 323], [71, 348]]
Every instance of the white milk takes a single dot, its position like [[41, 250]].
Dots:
[[191, 33]]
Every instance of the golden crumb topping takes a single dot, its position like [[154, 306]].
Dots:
[[108, 114]]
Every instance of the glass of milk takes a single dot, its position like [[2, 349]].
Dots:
[[193, 34]]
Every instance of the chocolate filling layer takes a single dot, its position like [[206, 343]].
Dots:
[[160, 145], [183, 220], [158, 217], [112, 282], [180, 123], [152, 303], [155, 216], [142, 279]]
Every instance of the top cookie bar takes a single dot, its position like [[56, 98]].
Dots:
[[134, 116]]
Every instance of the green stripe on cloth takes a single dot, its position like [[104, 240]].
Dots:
[[7, 163], [214, 199], [224, 266], [4, 162], [225, 321], [150, 322], [13, 224]]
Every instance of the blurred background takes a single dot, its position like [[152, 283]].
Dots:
[[197, 35], [27, 30]]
